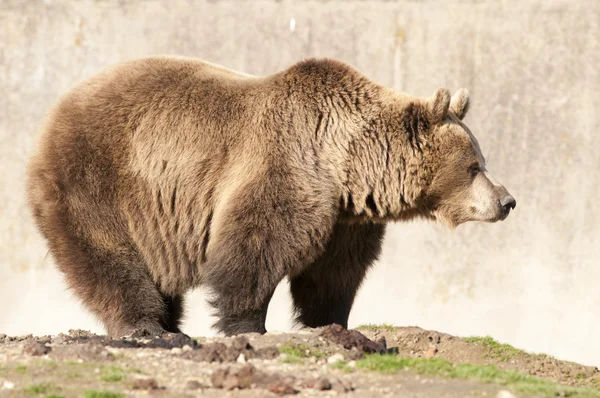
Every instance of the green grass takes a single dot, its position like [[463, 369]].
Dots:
[[342, 365], [515, 381], [503, 352], [74, 375], [41, 388], [112, 374], [292, 360], [55, 396], [374, 327], [301, 351], [50, 364], [102, 394], [21, 369]]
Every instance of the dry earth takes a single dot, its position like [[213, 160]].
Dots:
[[372, 361]]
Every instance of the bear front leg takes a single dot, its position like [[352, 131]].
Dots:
[[242, 282], [266, 233], [324, 292]]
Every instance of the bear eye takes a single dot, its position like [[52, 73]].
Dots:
[[474, 169]]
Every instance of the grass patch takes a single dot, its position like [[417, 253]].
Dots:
[[301, 351], [50, 364], [74, 375], [112, 374], [294, 360], [41, 388], [55, 396], [102, 394], [342, 365], [484, 373], [21, 369], [503, 352], [136, 370], [373, 327]]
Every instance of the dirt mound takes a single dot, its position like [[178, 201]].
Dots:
[[415, 342], [369, 362]]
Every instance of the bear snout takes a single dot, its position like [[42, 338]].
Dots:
[[506, 204]]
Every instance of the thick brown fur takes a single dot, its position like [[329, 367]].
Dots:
[[162, 174]]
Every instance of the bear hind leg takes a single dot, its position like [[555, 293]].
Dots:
[[116, 287]]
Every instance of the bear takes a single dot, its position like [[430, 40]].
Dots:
[[162, 174]]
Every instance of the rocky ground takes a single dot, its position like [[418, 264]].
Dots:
[[371, 361]]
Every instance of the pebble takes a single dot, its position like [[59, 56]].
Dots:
[[187, 348], [430, 353], [505, 394], [176, 350], [241, 359], [112, 350], [335, 358], [36, 349], [193, 385], [352, 364], [145, 384], [58, 339], [8, 385]]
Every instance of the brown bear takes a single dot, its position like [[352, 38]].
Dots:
[[166, 173]]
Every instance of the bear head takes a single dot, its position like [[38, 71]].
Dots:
[[416, 158], [459, 188]]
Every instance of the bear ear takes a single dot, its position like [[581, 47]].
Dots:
[[459, 104], [438, 106]]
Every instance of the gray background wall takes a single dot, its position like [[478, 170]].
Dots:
[[532, 69]]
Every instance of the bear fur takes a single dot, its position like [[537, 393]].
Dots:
[[162, 174]]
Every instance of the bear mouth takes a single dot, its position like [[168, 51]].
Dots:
[[504, 212]]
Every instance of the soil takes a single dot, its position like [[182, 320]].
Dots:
[[275, 364]]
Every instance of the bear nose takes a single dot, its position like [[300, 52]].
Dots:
[[507, 203]]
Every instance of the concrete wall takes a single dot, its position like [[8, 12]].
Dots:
[[532, 69]]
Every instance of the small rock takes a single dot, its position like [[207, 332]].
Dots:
[[8, 385], [176, 350], [505, 394], [112, 350], [186, 348], [145, 384], [352, 364], [335, 358], [241, 343], [36, 349], [351, 339], [430, 353], [241, 359], [341, 386], [282, 389], [193, 385], [434, 338], [320, 384], [26, 337], [58, 339]]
